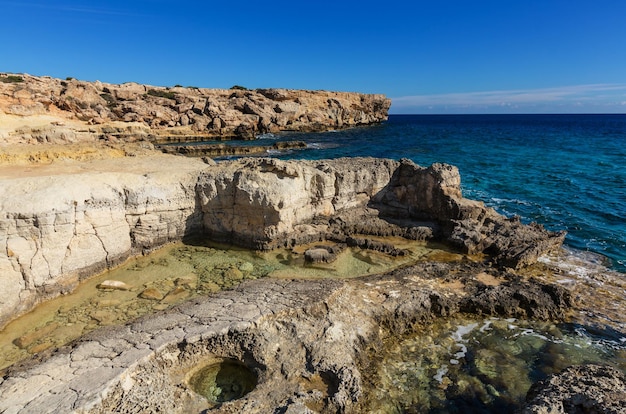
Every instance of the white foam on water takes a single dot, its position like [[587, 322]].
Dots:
[[463, 330], [268, 135], [443, 370], [486, 326], [462, 352]]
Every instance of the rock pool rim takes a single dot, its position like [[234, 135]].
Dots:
[[220, 380]]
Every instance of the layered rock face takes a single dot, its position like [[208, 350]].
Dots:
[[58, 228], [75, 110]]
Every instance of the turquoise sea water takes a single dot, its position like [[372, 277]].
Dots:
[[567, 172]]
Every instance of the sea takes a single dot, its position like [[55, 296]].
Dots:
[[566, 172]]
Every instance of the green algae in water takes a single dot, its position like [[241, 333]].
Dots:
[[171, 275], [223, 381], [160, 280], [482, 366]]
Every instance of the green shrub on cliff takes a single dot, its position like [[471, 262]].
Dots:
[[109, 98], [161, 94], [239, 88], [11, 79]]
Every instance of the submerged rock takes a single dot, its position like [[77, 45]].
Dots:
[[114, 285]]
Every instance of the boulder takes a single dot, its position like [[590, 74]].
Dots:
[[579, 389]]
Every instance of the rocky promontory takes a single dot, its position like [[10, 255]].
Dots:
[[68, 111]]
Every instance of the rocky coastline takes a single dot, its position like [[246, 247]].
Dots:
[[72, 110], [59, 229], [69, 212]]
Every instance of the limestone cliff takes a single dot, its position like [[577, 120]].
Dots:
[[72, 110], [61, 224], [68, 221]]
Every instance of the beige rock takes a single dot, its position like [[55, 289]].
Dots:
[[151, 294], [211, 112], [114, 285], [175, 295]]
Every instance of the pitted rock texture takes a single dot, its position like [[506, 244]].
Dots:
[[69, 221], [175, 114], [267, 203], [307, 341], [579, 389]]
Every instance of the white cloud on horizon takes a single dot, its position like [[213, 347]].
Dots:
[[579, 98]]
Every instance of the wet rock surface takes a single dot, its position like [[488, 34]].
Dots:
[[306, 341], [579, 389]]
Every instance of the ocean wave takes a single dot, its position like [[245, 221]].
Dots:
[[321, 145], [267, 135], [511, 201]]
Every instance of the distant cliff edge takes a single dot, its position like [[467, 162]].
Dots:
[[48, 110]]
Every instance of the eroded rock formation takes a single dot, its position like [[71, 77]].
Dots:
[[307, 342], [58, 228], [72, 110], [579, 389]]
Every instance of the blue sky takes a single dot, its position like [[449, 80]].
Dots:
[[472, 56]]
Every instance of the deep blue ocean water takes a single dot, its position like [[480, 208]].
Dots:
[[567, 172]]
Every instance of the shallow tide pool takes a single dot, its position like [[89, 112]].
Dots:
[[481, 366], [176, 273]]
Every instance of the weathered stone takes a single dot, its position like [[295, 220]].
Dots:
[[114, 285], [178, 112], [175, 295], [151, 294], [27, 340], [59, 228], [579, 389], [318, 255]]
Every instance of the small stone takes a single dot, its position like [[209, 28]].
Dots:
[[104, 303], [188, 282], [41, 347], [151, 294], [210, 287], [175, 295], [318, 255], [30, 338], [233, 274], [246, 267], [103, 317], [114, 285]]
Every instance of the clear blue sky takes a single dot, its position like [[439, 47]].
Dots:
[[437, 56]]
